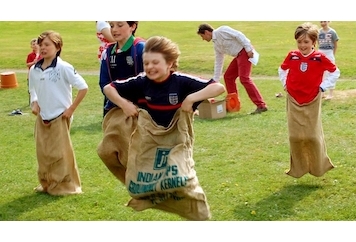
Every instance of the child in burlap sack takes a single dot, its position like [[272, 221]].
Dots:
[[154, 144], [301, 74], [50, 84]]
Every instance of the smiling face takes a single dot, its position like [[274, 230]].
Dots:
[[156, 67], [306, 36], [121, 30], [305, 44]]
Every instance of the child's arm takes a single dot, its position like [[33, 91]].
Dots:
[[211, 90], [335, 47], [30, 61], [80, 96], [283, 70], [104, 75], [283, 76], [107, 35], [128, 107], [33, 96], [330, 79]]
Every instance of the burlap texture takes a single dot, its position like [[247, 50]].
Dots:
[[160, 170], [57, 168], [113, 148], [129, 149], [308, 153]]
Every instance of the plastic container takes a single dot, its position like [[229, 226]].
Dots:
[[232, 102], [8, 80]]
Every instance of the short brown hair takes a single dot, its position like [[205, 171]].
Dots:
[[131, 23], [54, 37], [203, 27], [308, 29]]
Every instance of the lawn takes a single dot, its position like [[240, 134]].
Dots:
[[240, 159]]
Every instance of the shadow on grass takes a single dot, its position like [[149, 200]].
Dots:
[[279, 206], [227, 117], [12, 210], [90, 128]]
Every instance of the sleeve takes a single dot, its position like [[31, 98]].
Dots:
[[335, 37], [282, 76], [74, 78], [29, 58], [334, 74], [140, 47], [104, 76], [283, 70], [218, 66], [191, 84], [31, 85], [131, 88], [100, 25]]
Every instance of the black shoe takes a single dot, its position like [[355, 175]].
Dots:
[[259, 110]]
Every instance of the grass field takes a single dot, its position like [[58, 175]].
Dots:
[[240, 159]]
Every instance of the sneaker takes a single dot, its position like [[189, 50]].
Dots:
[[279, 94], [39, 188], [259, 110], [16, 112]]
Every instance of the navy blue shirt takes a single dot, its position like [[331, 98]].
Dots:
[[161, 100], [120, 66]]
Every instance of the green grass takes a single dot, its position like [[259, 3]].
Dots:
[[240, 159], [271, 39]]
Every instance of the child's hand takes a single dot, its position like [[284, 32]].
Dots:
[[130, 109], [35, 108], [187, 106]]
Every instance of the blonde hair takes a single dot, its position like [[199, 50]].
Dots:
[[33, 40], [54, 37], [166, 47]]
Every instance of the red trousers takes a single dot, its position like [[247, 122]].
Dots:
[[241, 67]]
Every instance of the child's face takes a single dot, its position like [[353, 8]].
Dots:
[[155, 66], [48, 49], [305, 44], [34, 45], [324, 23], [121, 30]]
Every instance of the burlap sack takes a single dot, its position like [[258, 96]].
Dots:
[[113, 149], [308, 152], [57, 168], [160, 169]]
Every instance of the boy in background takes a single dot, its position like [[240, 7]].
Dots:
[[32, 58], [327, 43]]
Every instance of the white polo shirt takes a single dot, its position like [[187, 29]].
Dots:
[[227, 41], [52, 87]]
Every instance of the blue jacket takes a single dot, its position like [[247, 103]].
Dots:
[[105, 75], [136, 53]]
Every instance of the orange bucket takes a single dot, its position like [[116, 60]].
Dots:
[[232, 102], [8, 80]]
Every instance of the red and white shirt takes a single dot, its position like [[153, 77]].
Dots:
[[104, 43], [302, 76]]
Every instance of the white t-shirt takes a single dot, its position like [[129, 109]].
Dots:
[[52, 87]]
